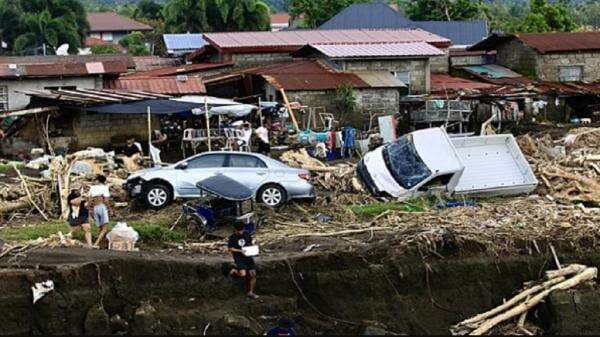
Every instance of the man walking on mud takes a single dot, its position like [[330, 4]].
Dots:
[[244, 265]]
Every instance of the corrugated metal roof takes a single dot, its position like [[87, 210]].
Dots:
[[375, 15], [379, 15], [378, 50], [280, 18], [178, 42], [562, 42], [161, 85], [20, 70], [492, 71], [443, 82], [181, 69], [293, 40], [380, 79], [113, 22]]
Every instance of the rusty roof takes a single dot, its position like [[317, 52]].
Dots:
[[543, 43], [288, 41], [161, 85], [374, 50], [280, 18], [113, 22], [305, 75], [181, 69], [380, 79], [14, 67], [441, 83]]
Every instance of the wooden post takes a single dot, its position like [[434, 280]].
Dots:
[[149, 128], [289, 107], [207, 123], [260, 116]]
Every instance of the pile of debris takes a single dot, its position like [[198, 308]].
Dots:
[[46, 191], [568, 168], [54, 241]]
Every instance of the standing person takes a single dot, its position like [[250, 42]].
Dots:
[[244, 265], [100, 193], [264, 146], [284, 327], [79, 214], [244, 140]]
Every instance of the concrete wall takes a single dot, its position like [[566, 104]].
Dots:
[[518, 57], [103, 130], [371, 100], [440, 64], [420, 76], [257, 59], [548, 66], [18, 101]]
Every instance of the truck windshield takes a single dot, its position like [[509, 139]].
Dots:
[[404, 163]]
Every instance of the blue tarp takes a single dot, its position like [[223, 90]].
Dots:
[[225, 188], [157, 106]]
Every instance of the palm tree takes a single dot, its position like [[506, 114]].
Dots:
[[42, 29], [186, 16], [239, 15], [9, 23]]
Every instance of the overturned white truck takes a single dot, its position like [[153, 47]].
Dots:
[[429, 161]]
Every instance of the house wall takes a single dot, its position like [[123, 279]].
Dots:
[[257, 59], [105, 130], [19, 101], [547, 67], [420, 75], [440, 64], [371, 100], [518, 57], [113, 37]]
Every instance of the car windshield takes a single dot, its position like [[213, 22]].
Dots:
[[404, 163]]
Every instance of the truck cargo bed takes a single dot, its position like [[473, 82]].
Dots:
[[494, 165]]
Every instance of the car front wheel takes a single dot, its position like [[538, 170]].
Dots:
[[157, 195], [272, 196]]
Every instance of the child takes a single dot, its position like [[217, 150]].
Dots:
[[79, 214], [100, 194]]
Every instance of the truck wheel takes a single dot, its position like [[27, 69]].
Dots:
[[272, 195], [157, 195]]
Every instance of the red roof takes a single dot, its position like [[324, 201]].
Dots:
[[92, 41], [289, 41], [56, 66], [113, 22], [161, 85], [562, 42], [280, 18], [441, 83], [305, 75], [182, 69]]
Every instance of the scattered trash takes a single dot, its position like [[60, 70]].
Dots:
[[41, 289], [323, 218], [122, 238], [452, 204], [310, 247]]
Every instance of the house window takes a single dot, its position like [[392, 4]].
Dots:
[[3, 98], [107, 36], [570, 73], [404, 77]]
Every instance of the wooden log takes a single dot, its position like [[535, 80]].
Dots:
[[570, 269], [586, 275], [9, 207], [26, 187], [341, 233]]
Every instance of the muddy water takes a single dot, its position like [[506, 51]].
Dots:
[[343, 293]]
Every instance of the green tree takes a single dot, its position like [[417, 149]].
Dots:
[[149, 10], [238, 15], [104, 49], [547, 17], [316, 12], [446, 10], [183, 16], [135, 44], [345, 101], [9, 22], [43, 29]]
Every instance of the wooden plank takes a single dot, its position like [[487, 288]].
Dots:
[[29, 111], [88, 95], [289, 107]]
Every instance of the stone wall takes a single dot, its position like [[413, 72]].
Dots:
[[258, 59], [518, 57], [370, 100], [420, 79], [103, 130], [440, 64], [548, 65]]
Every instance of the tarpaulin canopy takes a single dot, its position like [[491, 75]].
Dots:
[[225, 187], [157, 106], [220, 106]]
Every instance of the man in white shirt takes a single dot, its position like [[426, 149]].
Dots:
[[264, 145], [244, 140]]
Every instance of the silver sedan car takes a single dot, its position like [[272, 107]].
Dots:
[[273, 182]]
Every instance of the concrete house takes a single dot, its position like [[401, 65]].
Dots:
[[250, 49], [111, 27], [21, 74], [555, 57], [409, 62]]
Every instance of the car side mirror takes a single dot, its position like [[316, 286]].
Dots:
[[182, 166]]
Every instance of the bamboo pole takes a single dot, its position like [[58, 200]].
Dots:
[[289, 107], [207, 123]]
